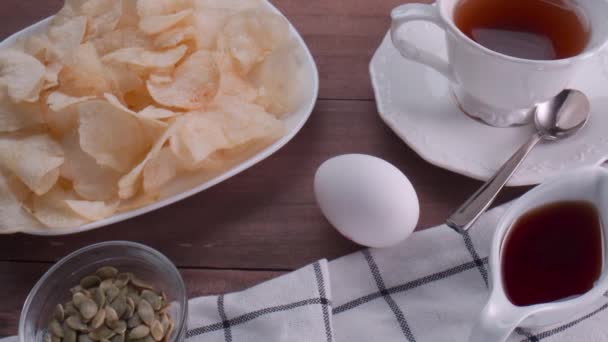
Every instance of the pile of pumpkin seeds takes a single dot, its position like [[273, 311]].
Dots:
[[109, 306]]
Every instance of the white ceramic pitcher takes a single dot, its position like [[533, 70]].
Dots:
[[500, 317]]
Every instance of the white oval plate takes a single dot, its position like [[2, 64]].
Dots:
[[191, 184], [416, 103]]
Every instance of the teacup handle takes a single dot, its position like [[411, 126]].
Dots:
[[496, 324], [402, 15]]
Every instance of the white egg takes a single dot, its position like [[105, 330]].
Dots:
[[367, 199]]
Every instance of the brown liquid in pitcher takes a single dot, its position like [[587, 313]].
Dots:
[[530, 29], [552, 252]]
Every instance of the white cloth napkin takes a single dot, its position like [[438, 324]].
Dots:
[[429, 288]]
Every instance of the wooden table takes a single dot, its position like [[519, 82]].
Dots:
[[263, 222]]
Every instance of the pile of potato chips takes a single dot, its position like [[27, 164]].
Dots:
[[118, 97]]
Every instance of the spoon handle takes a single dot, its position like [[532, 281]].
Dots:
[[464, 217]]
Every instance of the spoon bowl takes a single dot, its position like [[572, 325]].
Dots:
[[560, 117]]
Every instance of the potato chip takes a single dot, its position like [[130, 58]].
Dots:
[[84, 74], [40, 47], [13, 216], [103, 16], [208, 24], [147, 8], [68, 34], [174, 37], [125, 80], [131, 182], [93, 210], [129, 17], [152, 112], [199, 136], [159, 170], [120, 39], [152, 128], [51, 76], [195, 83], [231, 83], [53, 211], [250, 36], [34, 159], [62, 114], [58, 101], [14, 117], [113, 137], [21, 192], [277, 93], [233, 5], [90, 180], [158, 23], [21, 74], [141, 57]]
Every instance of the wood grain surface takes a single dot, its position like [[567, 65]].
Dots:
[[263, 222]]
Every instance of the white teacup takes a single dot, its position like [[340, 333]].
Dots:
[[500, 317], [496, 88]]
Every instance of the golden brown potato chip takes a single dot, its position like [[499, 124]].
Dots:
[[52, 210], [13, 216], [174, 37], [146, 8], [158, 23], [129, 185], [141, 57], [67, 35], [91, 181], [14, 117], [84, 74], [252, 35], [113, 137], [120, 39], [195, 83], [34, 159], [160, 169], [277, 93], [93, 210], [21, 74]]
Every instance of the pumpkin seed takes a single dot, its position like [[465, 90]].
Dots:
[[47, 337], [122, 279], [140, 283], [118, 338], [106, 272], [134, 321], [90, 281], [101, 332], [78, 298], [100, 297], [145, 312], [75, 323], [156, 330], [55, 328], [120, 305], [88, 309], [111, 315], [120, 327], [99, 319], [70, 309], [139, 331], [130, 308], [55, 339], [69, 334], [155, 300], [59, 313], [75, 289], [84, 338], [112, 292]]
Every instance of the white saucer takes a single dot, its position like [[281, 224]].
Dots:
[[417, 104]]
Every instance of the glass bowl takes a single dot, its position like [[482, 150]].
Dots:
[[144, 262]]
